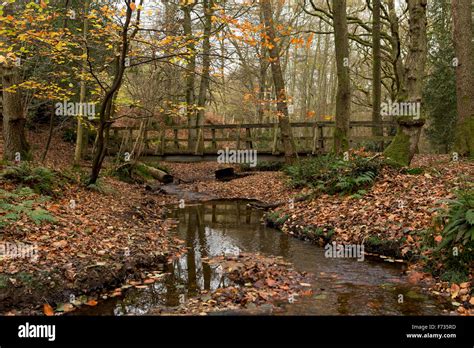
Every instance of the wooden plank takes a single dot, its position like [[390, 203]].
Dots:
[[268, 125], [372, 138]]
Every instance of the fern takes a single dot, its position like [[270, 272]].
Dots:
[[13, 207], [459, 228], [40, 215]]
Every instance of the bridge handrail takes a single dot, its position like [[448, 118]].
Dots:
[[264, 125]]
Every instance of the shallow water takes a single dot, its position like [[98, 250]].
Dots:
[[340, 286]]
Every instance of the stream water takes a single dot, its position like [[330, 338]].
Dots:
[[340, 286]]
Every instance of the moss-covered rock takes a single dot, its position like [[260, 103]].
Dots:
[[399, 149], [403, 147]]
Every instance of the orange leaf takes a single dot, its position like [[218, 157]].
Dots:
[[91, 303], [438, 238], [43, 4], [48, 310], [454, 290], [270, 282], [133, 6]]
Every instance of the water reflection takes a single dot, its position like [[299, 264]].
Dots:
[[341, 286]]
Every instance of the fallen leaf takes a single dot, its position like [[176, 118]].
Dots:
[[91, 303], [48, 310], [60, 244], [454, 290], [270, 282]]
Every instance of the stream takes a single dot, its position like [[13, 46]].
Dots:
[[340, 286]]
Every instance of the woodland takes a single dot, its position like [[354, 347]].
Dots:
[[183, 157]]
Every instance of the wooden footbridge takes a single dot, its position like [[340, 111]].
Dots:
[[201, 142]]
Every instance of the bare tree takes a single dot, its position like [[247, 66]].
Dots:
[[376, 68], [343, 98], [289, 146], [404, 146]]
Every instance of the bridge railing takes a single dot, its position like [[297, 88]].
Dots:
[[310, 137]]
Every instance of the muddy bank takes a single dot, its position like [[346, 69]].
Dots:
[[323, 235], [26, 294]]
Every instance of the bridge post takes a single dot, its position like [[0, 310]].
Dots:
[[176, 142], [321, 138], [130, 138], [213, 134], [199, 149], [145, 139], [315, 141], [275, 139], [238, 138], [162, 142], [248, 142]]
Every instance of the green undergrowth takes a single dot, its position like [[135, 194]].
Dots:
[[14, 205], [42, 180], [263, 166], [451, 257], [331, 174], [135, 172]]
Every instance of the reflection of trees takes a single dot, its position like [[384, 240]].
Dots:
[[206, 269], [209, 230], [191, 254], [284, 244], [343, 302]]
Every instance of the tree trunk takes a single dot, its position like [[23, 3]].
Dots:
[[190, 73], [343, 98], [106, 105], [404, 146], [262, 81], [376, 69], [206, 61], [289, 146], [397, 62], [14, 138], [462, 20], [81, 132]]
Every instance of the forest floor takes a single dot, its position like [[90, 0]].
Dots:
[[96, 239]]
